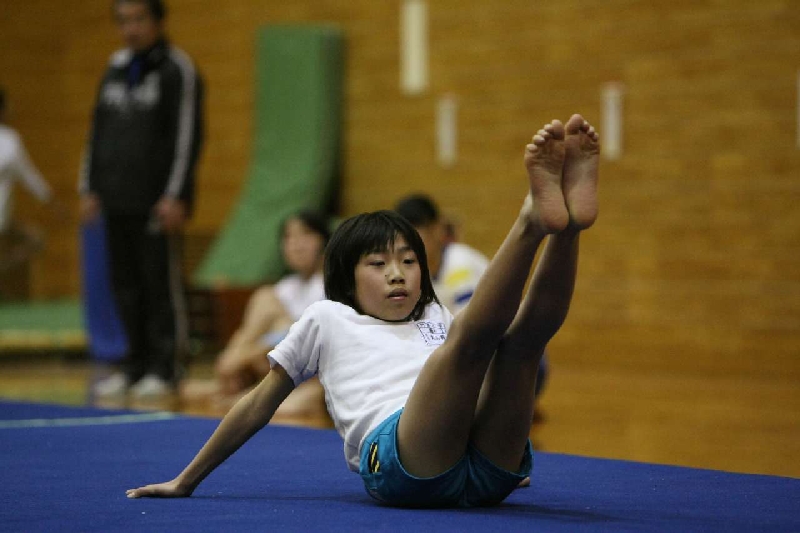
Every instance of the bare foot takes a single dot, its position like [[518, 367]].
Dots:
[[544, 160], [582, 147]]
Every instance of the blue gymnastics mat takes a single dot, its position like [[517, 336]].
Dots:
[[66, 469]]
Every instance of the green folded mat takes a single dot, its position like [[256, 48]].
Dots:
[[41, 326], [296, 151]]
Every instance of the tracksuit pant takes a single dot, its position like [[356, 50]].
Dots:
[[148, 288]]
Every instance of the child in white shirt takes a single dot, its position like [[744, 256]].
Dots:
[[17, 241], [434, 411]]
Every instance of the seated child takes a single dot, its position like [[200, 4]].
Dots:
[[269, 313], [434, 411]]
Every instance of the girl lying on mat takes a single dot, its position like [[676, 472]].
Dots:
[[434, 411]]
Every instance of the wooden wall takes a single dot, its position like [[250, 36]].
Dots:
[[694, 263]]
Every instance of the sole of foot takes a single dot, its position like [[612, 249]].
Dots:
[[581, 162], [544, 160]]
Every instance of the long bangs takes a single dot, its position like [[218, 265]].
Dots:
[[365, 234]]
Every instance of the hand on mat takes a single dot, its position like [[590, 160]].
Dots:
[[170, 489]]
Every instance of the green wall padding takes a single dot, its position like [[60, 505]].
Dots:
[[41, 326], [295, 160], [66, 315]]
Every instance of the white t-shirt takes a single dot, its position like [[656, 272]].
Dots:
[[367, 366], [296, 293], [458, 275], [15, 165]]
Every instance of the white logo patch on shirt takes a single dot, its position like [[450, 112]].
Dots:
[[114, 94], [148, 92], [434, 333], [144, 96]]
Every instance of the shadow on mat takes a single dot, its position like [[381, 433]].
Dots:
[[567, 515], [349, 498], [507, 509]]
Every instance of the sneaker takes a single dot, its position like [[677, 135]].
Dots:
[[151, 386], [114, 385]]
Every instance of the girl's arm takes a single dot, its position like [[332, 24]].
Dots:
[[245, 418]]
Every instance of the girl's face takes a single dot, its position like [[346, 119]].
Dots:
[[301, 248], [388, 283]]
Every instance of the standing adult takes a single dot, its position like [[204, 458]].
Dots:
[[17, 241], [139, 174]]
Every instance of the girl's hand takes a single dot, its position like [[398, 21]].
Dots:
[[170, 489]]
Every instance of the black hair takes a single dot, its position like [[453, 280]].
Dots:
[[313, 220], [156, 7], [2, 100], [419, 209], [365, 234]]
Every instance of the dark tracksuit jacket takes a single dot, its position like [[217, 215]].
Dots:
[[146, 135]]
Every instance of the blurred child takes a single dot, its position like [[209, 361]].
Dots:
[[272, 309], [17, 241]]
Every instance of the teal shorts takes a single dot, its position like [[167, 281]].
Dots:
[[472, 482]]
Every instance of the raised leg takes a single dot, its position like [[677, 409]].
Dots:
[[506, 401], [435, 426]]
